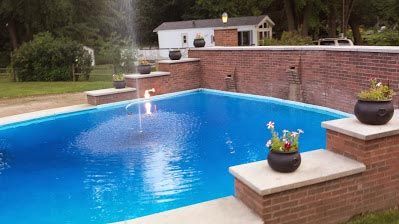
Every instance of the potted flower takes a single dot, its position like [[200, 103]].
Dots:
[[283, 155], [199, 40], [144, 67], [119, 81], [374, 105], [175, 54]]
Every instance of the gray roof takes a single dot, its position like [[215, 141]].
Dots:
[[205, 23]]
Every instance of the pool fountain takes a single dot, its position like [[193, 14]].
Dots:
[[147, 105]]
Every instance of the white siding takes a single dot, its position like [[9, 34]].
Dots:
[[173, 38]]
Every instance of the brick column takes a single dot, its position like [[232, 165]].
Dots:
[[226, 37], [379, 185]]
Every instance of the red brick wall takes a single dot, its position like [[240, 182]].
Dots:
[[184, 76], [329, 78], [97, 100], [226, 37]]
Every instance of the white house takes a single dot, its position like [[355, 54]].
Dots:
[[181, 34]]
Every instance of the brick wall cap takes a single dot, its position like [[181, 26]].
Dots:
[[143, 76], [183, 60], [372, 49], [353, 128], [228, 210], [317, 166], [110, 91]]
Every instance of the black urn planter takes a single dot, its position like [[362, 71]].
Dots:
[[374, 112], [119, 84], [284, 162], [199, 43], [144, 69], [175, 55]]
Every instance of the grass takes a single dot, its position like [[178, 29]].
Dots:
[[386, 217], [101, 77]]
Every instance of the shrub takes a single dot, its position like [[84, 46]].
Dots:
[[46, 58], [83, 64], [288, 38], [386, 37]]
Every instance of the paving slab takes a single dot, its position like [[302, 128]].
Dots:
[[228, 210], [353, 128], [110, 91], [142, 76]]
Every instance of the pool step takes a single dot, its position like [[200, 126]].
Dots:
[[228, 210]]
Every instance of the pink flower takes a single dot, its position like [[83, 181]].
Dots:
[[294, 134], [270, 125]]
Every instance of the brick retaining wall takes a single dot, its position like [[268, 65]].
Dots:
[[329, 78], [184, 75]]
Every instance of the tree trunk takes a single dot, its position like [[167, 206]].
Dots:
[[12, 32], [356, 32], [332, 19], [289, 12], [307, 12]]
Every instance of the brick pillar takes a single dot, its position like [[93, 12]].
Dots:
[[226, 37], [379, 184]]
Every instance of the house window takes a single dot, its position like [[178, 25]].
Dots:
[[184, 41], [244, 38]]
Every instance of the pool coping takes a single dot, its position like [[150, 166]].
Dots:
[[37, 116]]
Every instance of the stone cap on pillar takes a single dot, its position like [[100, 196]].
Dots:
[[352, 127]]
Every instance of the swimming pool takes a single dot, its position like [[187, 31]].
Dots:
[[95, 166]]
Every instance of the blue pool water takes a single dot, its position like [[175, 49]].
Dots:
[[96, 167]]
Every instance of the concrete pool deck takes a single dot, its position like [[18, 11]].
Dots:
[[228, 210], [11, 107]]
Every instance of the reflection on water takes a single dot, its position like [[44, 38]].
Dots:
[[151, 159], [3, 164]]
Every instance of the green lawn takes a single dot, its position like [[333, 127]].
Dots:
[[387, 217], [101, 77]]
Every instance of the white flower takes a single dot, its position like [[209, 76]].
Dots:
[[270, 125], [294, 134], [300, 131], [269, 143], [379, 84]]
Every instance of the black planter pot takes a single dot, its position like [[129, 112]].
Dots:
[[199, 43], [119, 84], [284, 162], [175, 55], [144, 69], [374, 112]]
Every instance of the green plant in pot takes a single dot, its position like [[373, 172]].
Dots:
[[374, 105], [283, 155], [199, 40], [144, 66], [119, 81]]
